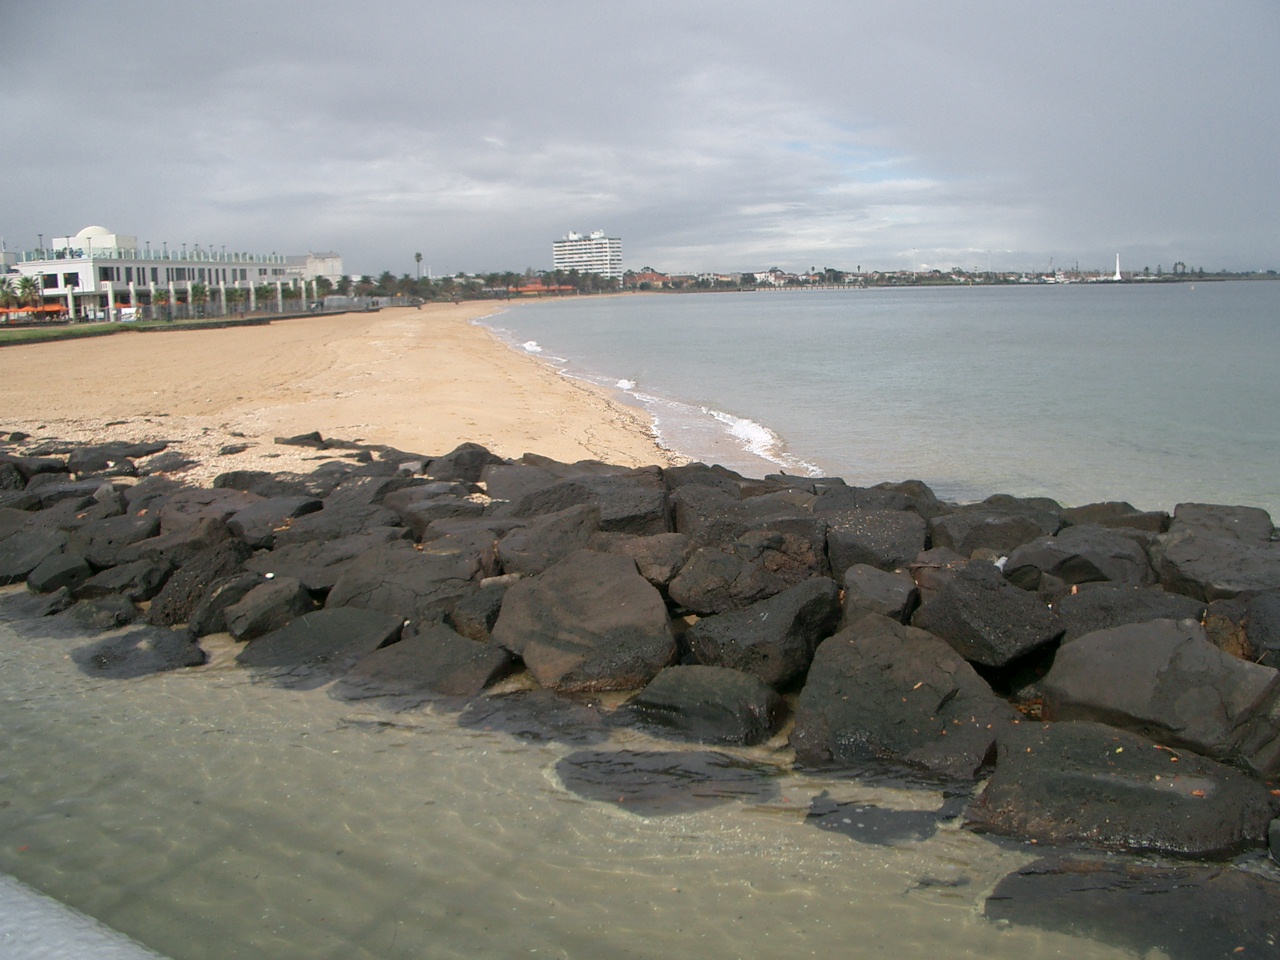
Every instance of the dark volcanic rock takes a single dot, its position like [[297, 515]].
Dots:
[[883, 826], [412, 584], [22, 552], [269, 606], [548, 539], [183, 590], [180, 546], [210, 613], [1184, 913], [986, 618], [658, 557], [709, 705], [758, 565], [320, 646], [102, 541], [589, 623], [59, 570], [871, 590], [537, 715], [1165, 680], [1118, 515], [632, 503], [140, 651], [465, 462], [258, 523], [879, 690], [511, 481], [191, 505], [103, 613], [1000, 526], [655, 783], [887, 539], [139, 581], [1099, 606], [474, 616], [319, 563], [1089, 783], [334, 523], [1080, 555], [435, 661], [1213, 552], [773, 639]]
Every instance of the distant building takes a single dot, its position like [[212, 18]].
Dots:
[[96, 272], [593, 253]]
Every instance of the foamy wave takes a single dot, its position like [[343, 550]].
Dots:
[[626, 384], [531, 346], [760, 440]]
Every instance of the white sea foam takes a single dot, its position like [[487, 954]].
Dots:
[[626, 384], [531, 346]]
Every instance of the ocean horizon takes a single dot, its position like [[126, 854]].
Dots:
[[1155, 394]]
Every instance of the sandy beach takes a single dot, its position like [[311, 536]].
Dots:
[[419, 380]]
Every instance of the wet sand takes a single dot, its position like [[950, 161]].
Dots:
[[420, 380]]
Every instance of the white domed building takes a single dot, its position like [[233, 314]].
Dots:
[[100, 275]]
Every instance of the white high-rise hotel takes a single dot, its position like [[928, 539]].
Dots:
[[594, 253]]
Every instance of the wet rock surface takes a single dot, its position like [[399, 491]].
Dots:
[[417, 578]]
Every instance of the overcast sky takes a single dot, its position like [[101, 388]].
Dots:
[[707, 135]]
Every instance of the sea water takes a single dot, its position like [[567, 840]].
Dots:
[[1154, 393], [209, 816]]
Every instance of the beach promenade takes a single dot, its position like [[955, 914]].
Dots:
[[420, 380]]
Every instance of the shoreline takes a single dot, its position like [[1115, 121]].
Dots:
[[419, 380]]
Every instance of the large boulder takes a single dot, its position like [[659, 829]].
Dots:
[[774, 639], [986, 618], [997, 524], [1216, 552], [709, 705], [878, 690], [59, 570], [321, 646], [590, 622], [319, 563], [756, 566], [635, 502], [210, 614], [1118, 515], [869, 589], [465, 462], [1077, 555], [183, 590], [435, 661], [138, 652], [179, 546], [267, 607], [1098, 606], [1165, 680], [23, 551], [258, 523], [139, 581], [102, 541], [887, 539], [399, 579], [548, 539], [658, 557], [333, 523], [1088, 783], [189, 506]]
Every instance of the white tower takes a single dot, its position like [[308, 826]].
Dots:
[[1117, 276]]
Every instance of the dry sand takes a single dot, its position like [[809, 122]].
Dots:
[[419, 380]]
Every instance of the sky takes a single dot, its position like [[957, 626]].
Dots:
[[726, 136]]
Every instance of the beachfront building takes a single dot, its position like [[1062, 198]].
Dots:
[[97, 274], [589, 253]]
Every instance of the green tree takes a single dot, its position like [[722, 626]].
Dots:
[[199, 297], [344, 286], [30, 292], [417, 258]]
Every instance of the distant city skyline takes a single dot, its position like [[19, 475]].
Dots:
[[710, 136]]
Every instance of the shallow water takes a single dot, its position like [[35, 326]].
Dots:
[[1155, 394], [211, 816]]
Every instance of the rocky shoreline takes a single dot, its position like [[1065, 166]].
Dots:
[[1093, 677]]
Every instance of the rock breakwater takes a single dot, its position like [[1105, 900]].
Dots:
[[1092, 676]]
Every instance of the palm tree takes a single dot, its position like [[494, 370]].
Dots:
[[235, 297], [161, 299], [30, 292], [418, 259], [199, 297]]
